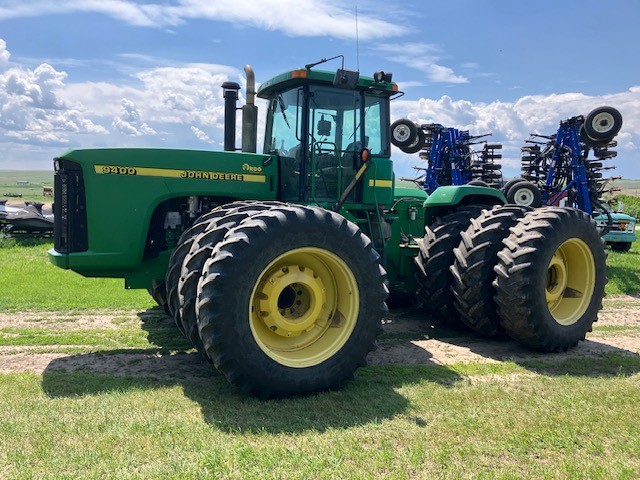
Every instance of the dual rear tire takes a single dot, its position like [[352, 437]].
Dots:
[[284, 300], [537, 276]]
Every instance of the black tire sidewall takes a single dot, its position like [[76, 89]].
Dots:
[[553, 236], [413, 132], [237, 353], [600, 137]]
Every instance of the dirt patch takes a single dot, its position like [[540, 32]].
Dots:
[[169, 367], [409, 339], [100, 319]]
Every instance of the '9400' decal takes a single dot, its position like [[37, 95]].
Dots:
[[174, 173]]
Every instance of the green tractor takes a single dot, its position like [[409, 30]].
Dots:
[[277, 265]]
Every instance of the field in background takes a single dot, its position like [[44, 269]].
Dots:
[[37, 179], [9, 184], [629, 187]]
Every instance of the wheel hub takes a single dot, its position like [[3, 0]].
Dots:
[[570, 281], [556, 279], [523, 196], [401, 133], [603, 122], [291, 301]]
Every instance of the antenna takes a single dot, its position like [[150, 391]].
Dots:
[[357, 42]]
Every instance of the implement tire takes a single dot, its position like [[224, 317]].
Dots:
[[524, 193], [194, 261], [602, 125], [291, 302], [550, 278], [473, 268], [434, 259]]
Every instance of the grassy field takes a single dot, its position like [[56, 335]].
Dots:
[[33, 191], [536, 418], [30, 282]]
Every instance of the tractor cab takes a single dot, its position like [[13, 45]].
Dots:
[[318, 125]]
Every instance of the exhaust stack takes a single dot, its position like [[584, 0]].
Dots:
[[250, 114], [230, 94]]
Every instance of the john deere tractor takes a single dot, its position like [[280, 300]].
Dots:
[[277, 265]]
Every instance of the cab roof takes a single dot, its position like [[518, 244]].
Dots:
[[303, 76]]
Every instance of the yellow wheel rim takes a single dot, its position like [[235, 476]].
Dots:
[[304, 307], [570, 281]]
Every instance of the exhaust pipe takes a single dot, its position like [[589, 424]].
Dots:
[[250, 114], [230, 94]]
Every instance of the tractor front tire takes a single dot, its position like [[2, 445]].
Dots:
[[620, 246], [180, 252], [194, 261], [291, 302], [159, 293], [550, 279]]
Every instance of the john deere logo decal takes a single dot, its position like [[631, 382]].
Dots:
[[250, 168], [192, 174]]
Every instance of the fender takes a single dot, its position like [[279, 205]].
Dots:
[[448, 197]]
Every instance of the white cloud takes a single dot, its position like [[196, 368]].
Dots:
[[200, 135], [306, 18], [130, 121], [4, 53], [32, 111], [423, 57]]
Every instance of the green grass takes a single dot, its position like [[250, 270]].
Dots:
[[624, 271], [30, 282], [392, 422], [37, 179]]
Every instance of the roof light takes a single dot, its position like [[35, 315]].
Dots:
[[299, 73], [380, 77]]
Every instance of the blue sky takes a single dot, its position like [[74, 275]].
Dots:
[[109, 73]]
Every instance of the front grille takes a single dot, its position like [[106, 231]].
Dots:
[[69, 208]]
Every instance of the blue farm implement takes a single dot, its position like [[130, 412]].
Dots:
[[450, 157], [557, 170]]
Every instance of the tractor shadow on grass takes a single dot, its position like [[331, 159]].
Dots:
[[172, 362], [597, 356]]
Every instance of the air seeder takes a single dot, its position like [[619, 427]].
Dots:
[[277, 265]]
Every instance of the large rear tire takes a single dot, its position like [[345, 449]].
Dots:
[[473, 268], [434, 259], [291, 302], [550, 278]]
